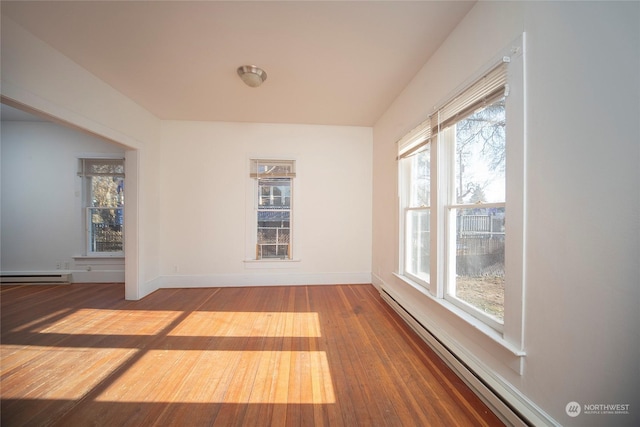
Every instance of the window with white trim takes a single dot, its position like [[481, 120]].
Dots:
[[454, 172], [273, 208], [415, 196], [103, 186]]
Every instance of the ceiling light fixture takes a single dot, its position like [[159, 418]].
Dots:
[[252, 75]]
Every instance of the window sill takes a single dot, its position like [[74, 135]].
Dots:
[[480, 326], [90, 257], [271, 263]]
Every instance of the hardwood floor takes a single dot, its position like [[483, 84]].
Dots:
[[76, 355]]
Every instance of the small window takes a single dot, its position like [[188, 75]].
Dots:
[[103, 183], [273, 201]]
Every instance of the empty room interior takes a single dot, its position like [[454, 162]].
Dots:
[[375, 213]]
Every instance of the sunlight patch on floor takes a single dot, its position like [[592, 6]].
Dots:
[[112, 322], [294, 377], [249, 324], [65, 378]]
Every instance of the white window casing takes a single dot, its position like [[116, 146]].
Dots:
[[502, 78], [103, 205], [270, 225]]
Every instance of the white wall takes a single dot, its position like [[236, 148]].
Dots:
[[38, 77], [205, 203], [582, 199], [42, 224]]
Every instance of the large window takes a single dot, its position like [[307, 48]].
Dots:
[[273, 202], [103, 183], [454, 170], [475, 210]]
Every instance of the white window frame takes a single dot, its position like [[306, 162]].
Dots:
[[511, 331], [405, 210], [252, 254], [447, 227], [87, 207]]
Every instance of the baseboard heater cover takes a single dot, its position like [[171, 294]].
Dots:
[[36, 278], [505, 411]]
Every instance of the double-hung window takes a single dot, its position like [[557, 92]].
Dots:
[[273, 207], [471, 133], [461, 230], [415, 194], [103, 184]]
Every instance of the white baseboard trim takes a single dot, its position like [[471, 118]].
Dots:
[[267, 279], [506, 401]]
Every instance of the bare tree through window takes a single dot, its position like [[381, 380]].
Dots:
[[480, 214]]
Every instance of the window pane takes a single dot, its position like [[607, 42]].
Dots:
[[480, 156], [480, 259], [107, 191], [417, 256], [273, 251], [274, 217], [420, 186], [278, 219], [274, 193], [105, 207], [105, 230]]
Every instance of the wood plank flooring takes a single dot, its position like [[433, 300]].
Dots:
[[77, 355]]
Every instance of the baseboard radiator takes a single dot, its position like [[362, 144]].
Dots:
[[62, 278], [499, 406]]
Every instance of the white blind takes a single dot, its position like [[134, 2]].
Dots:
[[414, 140], [486, 90], [102, 167], [261, 168], [489, 88]]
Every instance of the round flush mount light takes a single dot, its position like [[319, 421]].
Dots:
[[252, 76]]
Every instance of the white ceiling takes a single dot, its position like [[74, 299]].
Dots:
[[327, 62]]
